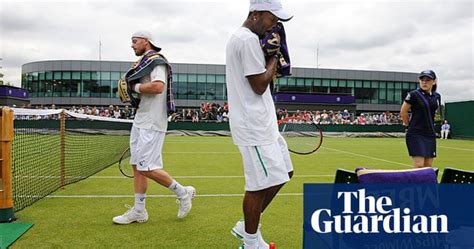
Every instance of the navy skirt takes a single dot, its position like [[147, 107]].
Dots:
[[419, 145]]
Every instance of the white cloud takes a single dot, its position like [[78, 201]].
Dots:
[[388, 35]]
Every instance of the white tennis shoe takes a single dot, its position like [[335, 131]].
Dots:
[[239, 230], [186, 202], [131, 216]]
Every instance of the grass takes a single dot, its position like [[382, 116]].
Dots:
[[37, 171], [80, 216]]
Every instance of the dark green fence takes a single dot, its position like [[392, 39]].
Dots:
[[189, 126], [460, 116]]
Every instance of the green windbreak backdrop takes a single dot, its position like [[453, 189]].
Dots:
[[460, 116]]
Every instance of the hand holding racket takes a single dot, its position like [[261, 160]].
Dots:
[[124, 164], [303, 136]]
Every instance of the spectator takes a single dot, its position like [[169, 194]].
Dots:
[[80, 110], [225, 116], [195, 117], [346, 116], [117, 112], [362, 120], [445, 130], [174, 117], [189, 115], [95, 111]]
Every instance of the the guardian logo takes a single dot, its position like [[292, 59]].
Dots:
[[374, 215]]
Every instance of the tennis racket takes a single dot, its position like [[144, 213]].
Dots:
[[124, 164], [303, 136]]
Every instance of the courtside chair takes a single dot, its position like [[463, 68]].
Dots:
[[346, 176], [451, 175], [350, 177], [461, 233]]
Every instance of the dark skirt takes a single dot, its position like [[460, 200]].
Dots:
[[419, 145]]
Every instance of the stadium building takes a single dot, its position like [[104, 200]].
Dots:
[[80, 82]]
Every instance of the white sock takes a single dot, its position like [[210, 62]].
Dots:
[[177, 188], [250, 240], [139, 202]]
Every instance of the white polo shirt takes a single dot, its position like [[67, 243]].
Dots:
[[152, 111], [252, 117]]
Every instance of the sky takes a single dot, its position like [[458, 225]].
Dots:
[[385, 35]]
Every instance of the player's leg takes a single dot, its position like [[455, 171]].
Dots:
[[158, 175], [140, 184], [418, 161], [151, 166], [265, 172], [255, 201], [271, 193], [184, 194], [139, 180], [428, 161], [137, 213], [252, 207]]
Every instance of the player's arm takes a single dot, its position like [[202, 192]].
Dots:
[[157, 84], [154, 87], [404, 113], [260, 82]]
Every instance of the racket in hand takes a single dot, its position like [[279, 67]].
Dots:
[[124, 164], [303, 137]]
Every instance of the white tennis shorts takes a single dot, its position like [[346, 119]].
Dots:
[[266, 165], [145, 149]]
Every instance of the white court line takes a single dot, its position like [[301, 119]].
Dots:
[[223, 152], [197, 142], [180, 177], [454, 148], [210, 177], [373, 158], [201, 152], [149, 196]]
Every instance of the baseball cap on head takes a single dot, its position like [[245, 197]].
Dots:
[[273, 6], [147, 35], [428, 73]]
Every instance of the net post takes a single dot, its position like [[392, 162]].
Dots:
[[6, 190], [62, 132]]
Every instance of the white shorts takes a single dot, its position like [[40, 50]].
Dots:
[[266, 165], [145, 148]]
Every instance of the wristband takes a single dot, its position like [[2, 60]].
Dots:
[[136, 88]]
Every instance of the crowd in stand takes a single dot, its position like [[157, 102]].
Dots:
[[207, 112], [213, 112], [108, 112], [338, 117]]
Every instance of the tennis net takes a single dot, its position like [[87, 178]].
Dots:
[[54, 148]]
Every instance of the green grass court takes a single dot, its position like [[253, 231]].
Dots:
[[81, 215]]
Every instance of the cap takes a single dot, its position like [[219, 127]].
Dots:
[[147, 35], [273, 6], [428, 73]]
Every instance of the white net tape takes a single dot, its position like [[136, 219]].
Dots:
[[23, 112]]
